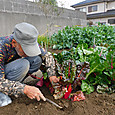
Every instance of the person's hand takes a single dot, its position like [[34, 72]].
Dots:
[[33, 93], [53, 79]]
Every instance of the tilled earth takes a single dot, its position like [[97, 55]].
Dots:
[[94, 104]]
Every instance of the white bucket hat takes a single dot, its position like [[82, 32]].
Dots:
[[26, 35]]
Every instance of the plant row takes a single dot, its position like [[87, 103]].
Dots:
[[95, 65], [72, 36]]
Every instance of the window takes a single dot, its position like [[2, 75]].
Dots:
[[111, 21], [92, 8], [82, 9]]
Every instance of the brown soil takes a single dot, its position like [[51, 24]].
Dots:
[[94, 104]]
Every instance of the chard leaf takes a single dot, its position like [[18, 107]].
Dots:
[[86, 87], [87, 52], [55, 47], [45, 75], [106, 73]]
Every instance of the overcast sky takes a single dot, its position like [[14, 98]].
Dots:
[[68, 3]]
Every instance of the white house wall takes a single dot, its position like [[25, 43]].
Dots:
[[101, 8], [111, 5], [101, 20]]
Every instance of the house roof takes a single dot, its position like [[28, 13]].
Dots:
[[87, 2], [109, 13]]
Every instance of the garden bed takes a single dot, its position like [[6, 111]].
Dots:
[[94, 104], [102, 104]]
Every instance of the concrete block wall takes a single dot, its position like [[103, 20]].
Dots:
[[43, 17]]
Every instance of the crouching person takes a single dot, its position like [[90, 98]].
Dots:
[[20, 54]]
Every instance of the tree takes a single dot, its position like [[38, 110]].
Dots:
[[49, 2]]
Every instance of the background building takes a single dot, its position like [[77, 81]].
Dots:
[[102, 11]]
